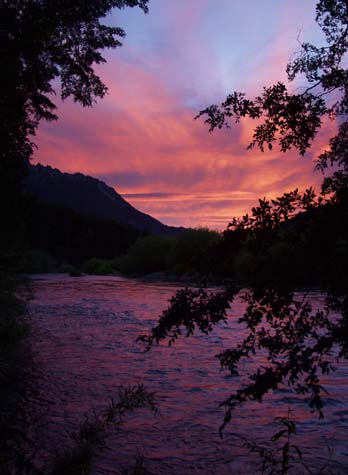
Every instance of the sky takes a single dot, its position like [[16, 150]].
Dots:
[[142, 138]]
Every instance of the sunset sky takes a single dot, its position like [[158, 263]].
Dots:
[[181, 57]]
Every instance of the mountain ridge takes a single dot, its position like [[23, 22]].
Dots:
[[89, 195]]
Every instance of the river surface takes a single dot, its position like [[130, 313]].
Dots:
[[84, 334]]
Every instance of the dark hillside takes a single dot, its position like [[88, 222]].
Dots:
[[73, 237], [90, 196]]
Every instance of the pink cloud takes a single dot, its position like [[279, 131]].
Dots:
[[142, 138]]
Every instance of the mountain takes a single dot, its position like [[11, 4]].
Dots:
[[89, 195]]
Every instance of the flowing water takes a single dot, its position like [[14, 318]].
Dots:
[[84, 334]]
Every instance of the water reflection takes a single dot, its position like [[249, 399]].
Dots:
[[84, 332]]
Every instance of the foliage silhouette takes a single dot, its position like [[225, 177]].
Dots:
[[90, 439], [193, 252], [292, 120], [283, 455], [188, 253], [98, 267], [147, 254], [308, 235], [41, 42]]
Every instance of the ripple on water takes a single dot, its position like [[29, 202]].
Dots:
[[84, 332]]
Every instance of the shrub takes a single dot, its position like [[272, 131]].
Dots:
[[96, 266], [70, 269], [148, 254], [192, 251], [40, 262]]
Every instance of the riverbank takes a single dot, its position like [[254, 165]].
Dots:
[[16, 377]]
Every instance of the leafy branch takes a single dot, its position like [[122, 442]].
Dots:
[[90, 439]]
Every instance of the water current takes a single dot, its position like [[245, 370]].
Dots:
[[84, 334]]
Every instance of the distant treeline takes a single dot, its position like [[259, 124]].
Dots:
[[60, 238], [191, 254], [66, 236], [308, 249], [304, 249]]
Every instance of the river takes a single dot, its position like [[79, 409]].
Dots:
[[84, 334]]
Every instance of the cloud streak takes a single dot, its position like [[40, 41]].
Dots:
[[142, 138]]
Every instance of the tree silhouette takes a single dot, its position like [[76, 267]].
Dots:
[[46, 46], [292, 120], [296, 341], [46, 41]]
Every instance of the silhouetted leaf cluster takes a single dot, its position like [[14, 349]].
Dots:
[[90, 439], [293, 119], [298, 344], [295, 340], [45, 41], [282, 455], [190, 309], [270, 214], [45, 46]]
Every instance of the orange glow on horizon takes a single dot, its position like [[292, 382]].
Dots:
[[142, 138]]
